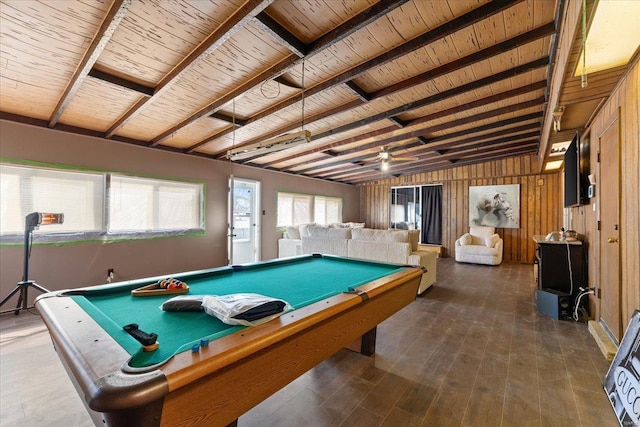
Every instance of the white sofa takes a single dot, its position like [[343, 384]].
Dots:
[[291, 242], [481, 245], [394, 246]]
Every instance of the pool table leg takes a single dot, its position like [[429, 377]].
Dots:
[[148, 415], [366, 344]]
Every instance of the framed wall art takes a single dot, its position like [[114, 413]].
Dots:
[[495, 205]]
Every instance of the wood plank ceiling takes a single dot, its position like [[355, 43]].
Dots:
[[435, 83]]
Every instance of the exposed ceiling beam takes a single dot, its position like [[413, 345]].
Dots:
[[361, 20], [229, 119], [397, 121], [111, 21], [525, 118], [529, 146], [392, 113], [425, 39], [439, 114], [321, 115], [475, 139], [241, 17], [341, 32], [278, 32], [407, 107], [121, 82], [491, 126], [461, 152], [282, 66], [454, 123], [443, 164], [481, 55], [431, 36], [358, 91]]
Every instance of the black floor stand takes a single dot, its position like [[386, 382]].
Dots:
[[31, 223], [23, 288]]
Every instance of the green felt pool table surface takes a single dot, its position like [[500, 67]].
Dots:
[[299, 282]]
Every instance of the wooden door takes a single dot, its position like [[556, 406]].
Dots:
[[610, 283]]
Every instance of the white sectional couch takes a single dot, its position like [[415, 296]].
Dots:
[[394, 246], [291, 242]]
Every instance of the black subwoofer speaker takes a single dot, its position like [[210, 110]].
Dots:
[[555, 304]]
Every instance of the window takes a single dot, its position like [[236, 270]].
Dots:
[[294, 209], [96, 205], [327, 210], [78, 195], [140, 205]]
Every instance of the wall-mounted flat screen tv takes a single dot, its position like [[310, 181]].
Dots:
[[572, 190]]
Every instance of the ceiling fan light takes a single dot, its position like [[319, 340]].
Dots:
[[384, 166]]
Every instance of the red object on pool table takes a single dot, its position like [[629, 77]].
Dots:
[[223, 380]]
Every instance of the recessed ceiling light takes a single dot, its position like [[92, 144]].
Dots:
[[554, 165], [613, 37]]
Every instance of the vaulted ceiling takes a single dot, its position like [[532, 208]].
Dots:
[[435, 84]]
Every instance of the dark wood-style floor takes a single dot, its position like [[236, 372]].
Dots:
[[472, 351]]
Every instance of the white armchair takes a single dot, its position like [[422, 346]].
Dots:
[[481, 245]]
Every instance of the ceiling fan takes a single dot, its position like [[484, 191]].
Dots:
[[385, 158]]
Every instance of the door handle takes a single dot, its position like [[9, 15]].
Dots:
[[612, 240]]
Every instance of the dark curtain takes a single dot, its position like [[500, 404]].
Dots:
[[431, 225]]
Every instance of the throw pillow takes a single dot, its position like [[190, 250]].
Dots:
[[491, 241], [466, 239], [292, 233], [304, 229]]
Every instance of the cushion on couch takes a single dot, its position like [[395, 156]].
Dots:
[[478, 250], [396, 252], [291, 233], [481, 231], [304, 229], [491, 241], [325, 245], [371, 235], [466, 239], [332, 233]]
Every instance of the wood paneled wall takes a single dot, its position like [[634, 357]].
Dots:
[[540, 201], [623, 101]]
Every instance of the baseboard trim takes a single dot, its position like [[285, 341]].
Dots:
[[606, 345]]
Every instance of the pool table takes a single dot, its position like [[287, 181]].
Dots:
[[337, 302]]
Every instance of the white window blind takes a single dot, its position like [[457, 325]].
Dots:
[[137, 207], [295, 209], [79, 196], [328, 210], [140, 204]]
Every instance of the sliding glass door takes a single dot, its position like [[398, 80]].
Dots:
[[418, 208]]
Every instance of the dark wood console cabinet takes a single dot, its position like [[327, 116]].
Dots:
[[556, 261]]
